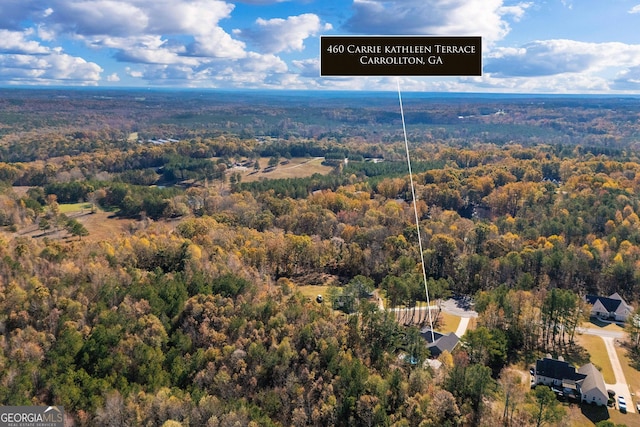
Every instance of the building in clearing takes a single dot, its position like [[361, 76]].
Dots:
[[593, 389], [586, 384], [441, 341], [612, 307]]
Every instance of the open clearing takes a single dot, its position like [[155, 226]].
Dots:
[[101, 225], [598, 355], [312, 291], [447, 323], [68, 208], [296, 168]]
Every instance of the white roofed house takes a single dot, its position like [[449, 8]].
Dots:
[[592, 388], [612, 307]]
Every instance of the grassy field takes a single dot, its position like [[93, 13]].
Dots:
[[447, 323], [296, 168], [586, 415], [102, 226], [598, 355], [67, 208], [607, 326], [312, 291]]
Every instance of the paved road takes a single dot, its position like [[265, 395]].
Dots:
[[458, 307], [462, 326], [601, 332], [620, 387]]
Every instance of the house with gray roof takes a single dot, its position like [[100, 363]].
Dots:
[[612, 307], [592, 388], [585, 384], [557, 374], [440, 342]]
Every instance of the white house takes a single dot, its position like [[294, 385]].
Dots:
[[612, 307], [592, 388], [557, 374], [585, 384]]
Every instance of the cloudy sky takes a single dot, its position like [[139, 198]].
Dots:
[[537, 46]]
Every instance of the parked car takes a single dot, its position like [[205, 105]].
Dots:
[[622, 404]]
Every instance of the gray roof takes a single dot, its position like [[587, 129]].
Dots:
[[557, 369], [610, 304], [442, 342], [593, 380]]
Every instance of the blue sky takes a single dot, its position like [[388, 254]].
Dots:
[[550, 46]]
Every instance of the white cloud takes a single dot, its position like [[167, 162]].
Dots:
[[280, 35], [164, 32], [186, 43], [137, 17], [151, 49], [95, 17], [45, 33], [53, 68], [14, 12], [251, 71], [217, 44], [517, 11], [628, 79], [255, 62], [176, 42], [485, 18], [134, 73], [262, 2], [308, 67], [552, 57], [184, 16], [17, 42]]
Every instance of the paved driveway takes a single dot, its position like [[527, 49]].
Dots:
[[620, 387], [461, 308], [457, 307]]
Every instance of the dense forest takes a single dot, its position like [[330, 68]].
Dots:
[[187, 310]]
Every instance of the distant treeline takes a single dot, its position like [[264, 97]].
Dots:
[[390, 169], [296, 188], [371, 172]]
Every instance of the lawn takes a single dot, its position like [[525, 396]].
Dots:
[[103, 226], [607, 326], [632, 375], [296, 168], [587, 415], [66, 208], [312, 291], [598, 355], [447, 323]]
